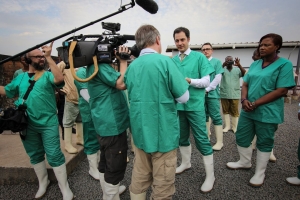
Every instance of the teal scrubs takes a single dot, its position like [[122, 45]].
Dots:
[[153, 83], [230, 84], [108, 105], [91, 145], [42, 132], [263, 121], [192, 114], [212, 99]]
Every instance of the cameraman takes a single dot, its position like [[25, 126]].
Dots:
[[109, 111], [42, 134]]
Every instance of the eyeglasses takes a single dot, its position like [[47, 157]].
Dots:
[[37, 57], [206, 49]]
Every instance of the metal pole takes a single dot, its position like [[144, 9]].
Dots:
[[123, 8]]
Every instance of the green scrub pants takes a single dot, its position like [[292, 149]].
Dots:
[[195, 120], [248, 128], [91, 144], [41, 140], [212, 108]]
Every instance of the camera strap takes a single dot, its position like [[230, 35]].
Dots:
[[71, 61], [32, 82]]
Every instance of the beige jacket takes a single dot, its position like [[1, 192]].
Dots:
[[69, 89]]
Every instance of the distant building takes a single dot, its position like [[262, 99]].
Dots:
[[244, 51]]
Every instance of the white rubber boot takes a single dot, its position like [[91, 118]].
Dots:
[[141, 196], [245, 159], [185, 159], [93, 164], [208, 184], [219, 136], [293, 181], [208, 128], [227, 123], [61, 176], [79, 134], [234, 123], [42, 175], [122, 188], [262, 160], [111, 191], [272, 157], [68, 141], [254, 142]]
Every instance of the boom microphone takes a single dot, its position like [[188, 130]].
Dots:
[[148, 5]]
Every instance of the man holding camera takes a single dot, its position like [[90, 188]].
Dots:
[[230, 92], [42, 134], [109, 111], [154, 83]]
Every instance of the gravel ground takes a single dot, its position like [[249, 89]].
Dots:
[[229, 184]]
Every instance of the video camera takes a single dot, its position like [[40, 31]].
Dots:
[[102, 46]]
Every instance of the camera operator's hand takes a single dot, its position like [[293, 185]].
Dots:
[[122, 49]]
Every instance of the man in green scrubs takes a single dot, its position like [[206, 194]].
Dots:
[[212, 97], [109, 111], [196, 68], [230, 92], [24, 67], [91, 145], [153, 84], [42, 134]]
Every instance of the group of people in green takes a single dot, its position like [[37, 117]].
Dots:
[[168, 97]]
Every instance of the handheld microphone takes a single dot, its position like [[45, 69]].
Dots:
[[148, 5]]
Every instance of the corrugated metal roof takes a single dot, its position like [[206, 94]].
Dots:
[[170, 48]]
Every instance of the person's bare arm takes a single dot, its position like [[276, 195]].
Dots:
[[120, 85], [2, 91], [238, 64]]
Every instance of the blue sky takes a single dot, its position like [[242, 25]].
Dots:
[[26, 23]]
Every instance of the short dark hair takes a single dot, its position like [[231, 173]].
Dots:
[[277, 40], [182, 29], [207, 43]]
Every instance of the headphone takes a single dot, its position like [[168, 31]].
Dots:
[[27, 59]]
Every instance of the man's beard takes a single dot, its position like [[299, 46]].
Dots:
[[38, 67]]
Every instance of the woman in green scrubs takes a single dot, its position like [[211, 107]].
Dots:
[[265, 84]]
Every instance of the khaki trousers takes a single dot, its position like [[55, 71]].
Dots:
[[156, 170], [231, 107]]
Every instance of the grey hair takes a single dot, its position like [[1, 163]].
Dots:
[[146, 36]]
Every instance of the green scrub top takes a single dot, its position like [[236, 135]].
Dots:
[[41, 102], [194, 66], [230, 87], [216, 63], [84, 106], [263, 81], [108, 105], [19, 71], [153, 83]]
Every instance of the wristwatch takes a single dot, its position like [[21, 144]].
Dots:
[[253, 104]]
